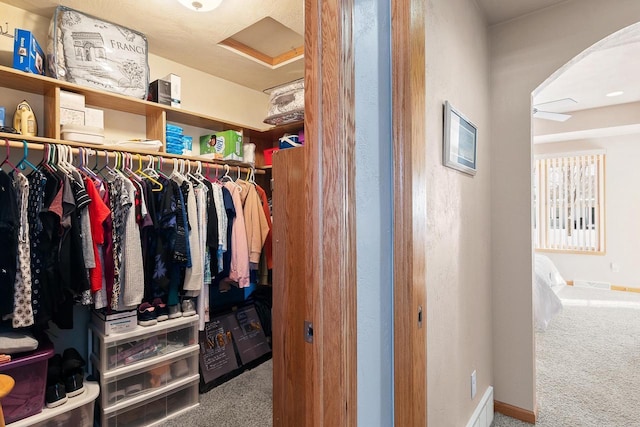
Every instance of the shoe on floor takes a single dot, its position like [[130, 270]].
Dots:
[[188, 307], [147, 315]]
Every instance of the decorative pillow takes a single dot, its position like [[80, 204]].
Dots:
[[15, 342], [91, 52]]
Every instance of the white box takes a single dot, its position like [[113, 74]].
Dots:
[[94, 117], [69, 116], [73, 101], [175, 81], [114, 323], [87, 134]]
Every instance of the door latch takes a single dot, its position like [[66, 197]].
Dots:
[[419, 317], [308, 331]]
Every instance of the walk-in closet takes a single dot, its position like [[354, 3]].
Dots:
[[152, 226]]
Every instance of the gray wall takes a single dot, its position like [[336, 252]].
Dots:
[[374, 212]]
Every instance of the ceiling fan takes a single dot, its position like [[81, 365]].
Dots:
[[540, 111]]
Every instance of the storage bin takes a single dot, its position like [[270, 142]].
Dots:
[[153, 412], [77, 411], [123, 385], [30, 374], [289, 141], [268, 155], [143, 342]]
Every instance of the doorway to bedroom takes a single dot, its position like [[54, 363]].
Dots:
[[586, 138]]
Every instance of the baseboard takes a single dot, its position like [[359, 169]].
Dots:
[[483, 415], [515, 412], [613, 287]]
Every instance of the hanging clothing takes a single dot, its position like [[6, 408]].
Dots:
[[133, 277], [98, 213], [239, 271], [22, 309], [9, 226], [37, 182], [194, 275], [255, 221], [268, 243]]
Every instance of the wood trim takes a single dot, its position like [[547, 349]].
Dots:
[[330, 199], [287, 56], [243, 48], [624, 289], [260, 56], [409, 222], [515, 412], [312, 135]]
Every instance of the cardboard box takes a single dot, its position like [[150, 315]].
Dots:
[[27, 53], [225, 145], [94, 117], [160, 92], [114, 323], [176, 89], [69, 116], [71, 100]]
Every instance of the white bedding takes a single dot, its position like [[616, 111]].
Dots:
[[548, 281]]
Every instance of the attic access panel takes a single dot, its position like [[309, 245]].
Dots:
[[267, 42]]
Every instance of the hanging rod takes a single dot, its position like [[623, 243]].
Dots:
[[15, 141]]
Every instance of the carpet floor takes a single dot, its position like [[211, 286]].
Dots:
[[588, 362], [245, 401]]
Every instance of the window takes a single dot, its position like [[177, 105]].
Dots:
[[568, 192]]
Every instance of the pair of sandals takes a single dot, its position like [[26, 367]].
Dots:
[[65, 377]]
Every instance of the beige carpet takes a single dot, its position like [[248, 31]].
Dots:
[[588, 362], [245, 401]]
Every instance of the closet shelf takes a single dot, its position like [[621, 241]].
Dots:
[[41, 85], [37, 143]]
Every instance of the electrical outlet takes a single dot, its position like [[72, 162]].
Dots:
[[473, 384], [615, 267]]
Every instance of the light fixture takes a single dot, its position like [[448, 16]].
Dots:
[[616, 93], [200, 5]]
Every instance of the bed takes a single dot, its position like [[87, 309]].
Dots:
[[547, 283]]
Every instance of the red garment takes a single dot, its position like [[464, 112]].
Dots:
[[268, 246], [98, 212]]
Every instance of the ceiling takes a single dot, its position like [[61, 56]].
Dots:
[[497, 11], [192, 38]]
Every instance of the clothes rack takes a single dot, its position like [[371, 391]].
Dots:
[[16, 141]]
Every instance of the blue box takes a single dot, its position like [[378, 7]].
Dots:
[[27, 53]]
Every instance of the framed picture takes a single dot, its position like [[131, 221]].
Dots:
[[460, 141]]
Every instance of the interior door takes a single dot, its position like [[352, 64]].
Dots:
[[290, 370]]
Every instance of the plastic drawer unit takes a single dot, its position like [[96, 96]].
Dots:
[[121, 385], [154, 410], [142, 343], [146, 374]]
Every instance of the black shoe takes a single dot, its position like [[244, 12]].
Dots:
[[55, 395], [161, 309], [73, 372], [73, 384], [147, 315]]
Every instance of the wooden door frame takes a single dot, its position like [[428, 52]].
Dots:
[[410, 211], [330, 205]]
